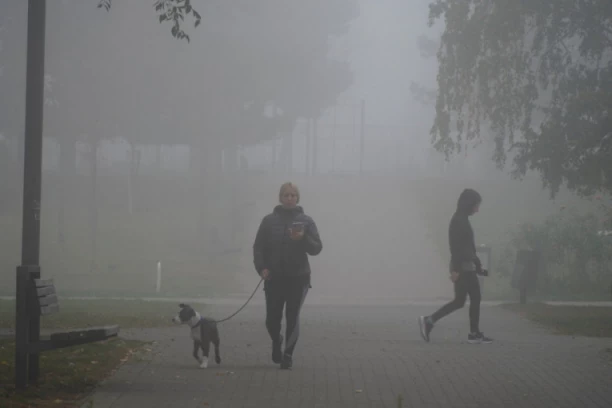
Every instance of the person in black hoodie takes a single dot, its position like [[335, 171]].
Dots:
[[465, 266], [284, 240]]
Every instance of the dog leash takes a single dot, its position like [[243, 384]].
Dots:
[[242, 307]]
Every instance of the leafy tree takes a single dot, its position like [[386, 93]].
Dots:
[[173, 11], [536, 77], [576, 253], [269, 56], [427, 49], [244, 61]]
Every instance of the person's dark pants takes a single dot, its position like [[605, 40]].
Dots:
[[466, 284], [287, 294]]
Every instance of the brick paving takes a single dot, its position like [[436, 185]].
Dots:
[[368, 356]]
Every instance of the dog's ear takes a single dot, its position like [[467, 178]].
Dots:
[[182, 305]]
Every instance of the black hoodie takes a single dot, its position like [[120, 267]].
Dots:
[[276, 251], [461, 235]]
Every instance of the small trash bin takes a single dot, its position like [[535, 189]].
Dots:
[[526, 268]]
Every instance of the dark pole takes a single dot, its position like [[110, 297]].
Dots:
[[274, 146], [32, 175], [289, 159], [307, 153], [362, 137], [333, 153], [315, 146]]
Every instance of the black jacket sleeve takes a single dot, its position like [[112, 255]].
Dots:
[[455, 241], [258, 247], [312, 240], [461, 240]]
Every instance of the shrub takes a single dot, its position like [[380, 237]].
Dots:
[[576, 252]]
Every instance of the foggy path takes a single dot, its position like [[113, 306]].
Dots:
[[366, 357]]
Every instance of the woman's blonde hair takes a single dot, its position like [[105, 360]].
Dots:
[[286, 187]]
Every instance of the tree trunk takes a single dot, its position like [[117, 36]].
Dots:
[[308, 147], [274, 154], [132, 170], [287, 152], [208, 161], [67, 167], [232, 176], [93, 217], [315, 147]]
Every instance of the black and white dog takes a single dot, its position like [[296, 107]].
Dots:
[[203, 332]]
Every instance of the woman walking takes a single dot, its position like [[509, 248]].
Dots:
[[284, 240], [465, 266]]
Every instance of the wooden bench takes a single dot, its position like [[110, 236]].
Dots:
[[46, 303], [37, 297]]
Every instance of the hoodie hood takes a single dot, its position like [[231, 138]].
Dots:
[[467, 201]]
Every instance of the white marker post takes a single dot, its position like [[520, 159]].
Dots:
[[159, 270]]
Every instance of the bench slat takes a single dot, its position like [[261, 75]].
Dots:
[[45, 290], [79, 336], [48, 300], [41, 283], [51, 309], [74, 337]]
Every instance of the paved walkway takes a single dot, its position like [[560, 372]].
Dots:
[[367, 357]]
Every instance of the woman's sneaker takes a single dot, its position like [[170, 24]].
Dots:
[[478, 338], [277, 352], [287, 362], [425, 326]]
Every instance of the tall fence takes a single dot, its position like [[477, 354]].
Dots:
[[341, 141]]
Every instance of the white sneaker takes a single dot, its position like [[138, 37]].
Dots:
[[204, 362]]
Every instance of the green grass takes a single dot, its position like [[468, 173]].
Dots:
[[590, 321], [66, 375], [87, 313]]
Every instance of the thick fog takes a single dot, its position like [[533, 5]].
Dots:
[[162, 155]]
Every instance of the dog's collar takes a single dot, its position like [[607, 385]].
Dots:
[[198, 321], [197, 324]]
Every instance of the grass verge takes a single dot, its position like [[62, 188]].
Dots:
[[590, 321], [88, 313], [66, 375]]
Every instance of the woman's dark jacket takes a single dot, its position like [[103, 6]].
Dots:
[[276, 251]]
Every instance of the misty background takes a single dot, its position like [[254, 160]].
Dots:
[[159, 150]]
